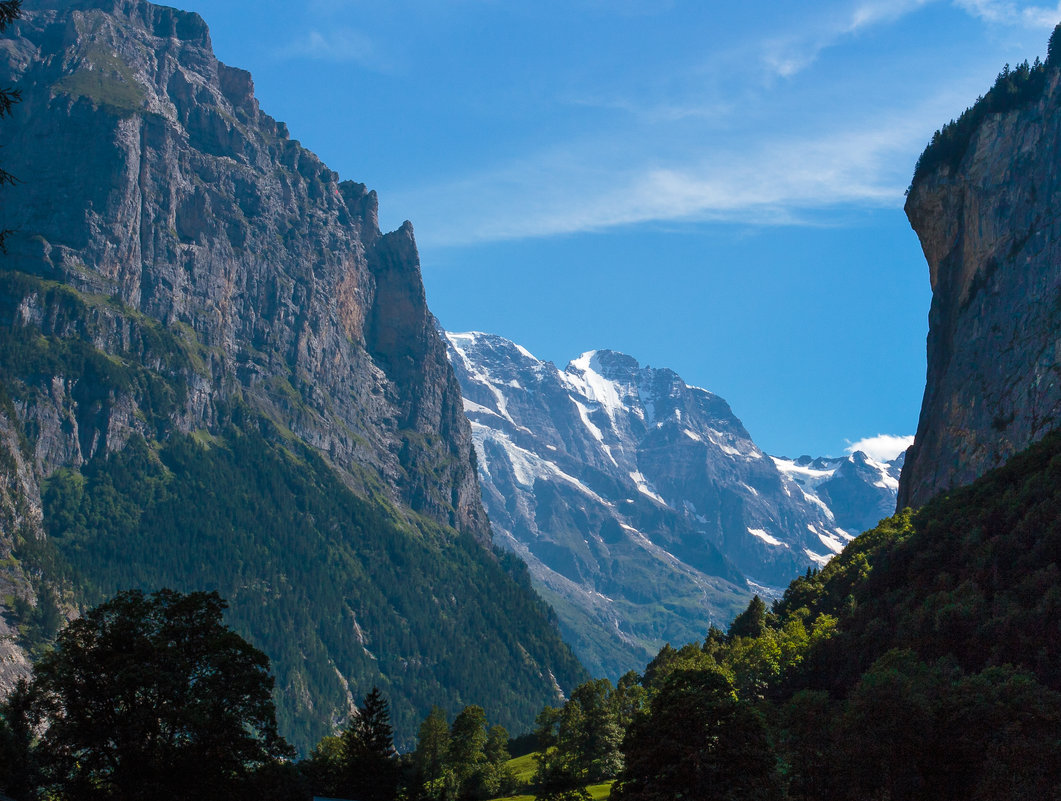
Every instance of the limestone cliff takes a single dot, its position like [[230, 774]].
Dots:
[[154, 181], [186, 285], [985, 205]]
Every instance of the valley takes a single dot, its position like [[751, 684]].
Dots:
[[268, 530]]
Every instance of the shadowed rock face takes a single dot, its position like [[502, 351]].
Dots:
[[992, 237], [153, 180], [181, 266]]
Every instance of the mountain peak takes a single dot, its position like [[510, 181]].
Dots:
[[623, 487]]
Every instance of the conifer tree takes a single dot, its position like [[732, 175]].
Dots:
[[750, 622], [371, 765]]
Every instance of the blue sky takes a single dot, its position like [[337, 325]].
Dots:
[[711, 187]]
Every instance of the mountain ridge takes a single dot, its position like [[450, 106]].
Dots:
[[641, 504]]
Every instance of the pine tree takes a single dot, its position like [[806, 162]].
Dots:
[[750, 622], [371, 765], [1053, 48]]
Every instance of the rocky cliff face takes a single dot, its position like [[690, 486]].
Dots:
[[992, 237], [183, 277], [640, 503], [154, 183]]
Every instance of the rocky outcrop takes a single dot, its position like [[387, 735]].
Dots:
[[989, 227], [20, 517]]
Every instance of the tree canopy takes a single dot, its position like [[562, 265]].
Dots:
[[152, 697], [370, 770]]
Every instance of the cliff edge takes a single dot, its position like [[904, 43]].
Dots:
[[984, 203]]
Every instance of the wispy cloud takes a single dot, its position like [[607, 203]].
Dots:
[[590, 187], [883, 447], [786, 56], [339, 44], [1001, 12], [658, 111]]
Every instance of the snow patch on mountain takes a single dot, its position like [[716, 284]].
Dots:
[[758, 532]]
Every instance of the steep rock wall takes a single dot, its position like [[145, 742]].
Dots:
[[200, 318], [990, 230], [153, 181]]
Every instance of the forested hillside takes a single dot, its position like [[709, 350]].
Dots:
[[921, 663]]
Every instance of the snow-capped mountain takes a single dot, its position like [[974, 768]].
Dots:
[[642, 506], [858, 490]]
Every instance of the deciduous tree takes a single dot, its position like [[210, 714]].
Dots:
[[154, 697], [697, 742]]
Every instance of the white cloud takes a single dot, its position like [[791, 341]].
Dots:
[[789, 55], [883, 447], [340, 44], [1009, 13], [592, 186]]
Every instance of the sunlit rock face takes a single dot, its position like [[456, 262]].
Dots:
[[642, 505], [152, 179]]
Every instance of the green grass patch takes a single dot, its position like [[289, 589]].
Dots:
[[598, 792], [105, 80], [523, 767]]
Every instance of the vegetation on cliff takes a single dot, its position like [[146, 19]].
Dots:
[[332, 586], [1013, 88], [920, 663]]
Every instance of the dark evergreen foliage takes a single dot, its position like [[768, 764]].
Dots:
[[1053, 49], [976, 581], [750, 622], [319, 576], [920, 663], [370, 766], [1013, 88], [20, 768], [9, 12], [255, 516]]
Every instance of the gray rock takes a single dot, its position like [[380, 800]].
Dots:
[[992, 237], [155, 184], [208, 262]]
